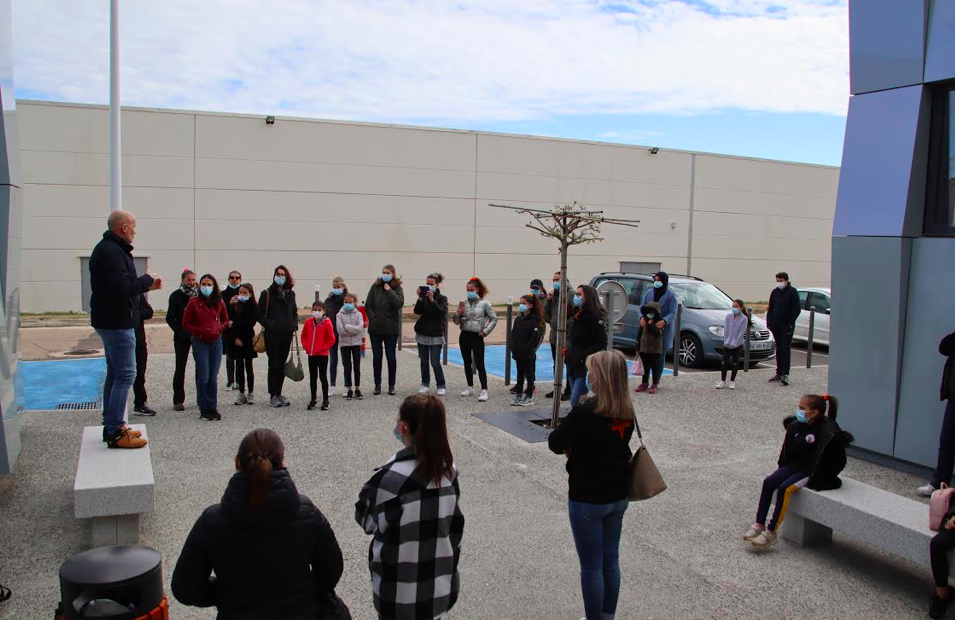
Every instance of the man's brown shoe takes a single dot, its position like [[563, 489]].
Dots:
[[123, 427], [178, 407], [126, 440]]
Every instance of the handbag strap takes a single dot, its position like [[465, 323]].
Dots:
[[637, 427]]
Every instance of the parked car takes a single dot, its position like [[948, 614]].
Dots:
[[705, 308], [821, 300]]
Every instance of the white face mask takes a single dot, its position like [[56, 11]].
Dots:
[[780, 285], [318, 315]]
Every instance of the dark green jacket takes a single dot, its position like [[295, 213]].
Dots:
[[384, 308]]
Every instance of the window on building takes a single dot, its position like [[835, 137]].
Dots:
[[940, 194]]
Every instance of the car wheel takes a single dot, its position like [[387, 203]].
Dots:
[[691, 351]]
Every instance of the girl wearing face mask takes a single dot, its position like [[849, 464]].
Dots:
[[244, 313], [432, 311], [527, 333], [206, 319], [650, 347], [278, 314], [813, 455], [734, 334], [587, 336], [383, 305], [415, 498], [660, 292], [333, 304], [317, 337], [351, 329], [477, 320]]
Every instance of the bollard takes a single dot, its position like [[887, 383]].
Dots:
[[507, 341], [318, 293], [812, 327], [676, 340], [746, 339], [608, 304], [445, 360]]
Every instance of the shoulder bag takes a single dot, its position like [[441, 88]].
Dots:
[[258, 341], [293, 368], [645, 478]]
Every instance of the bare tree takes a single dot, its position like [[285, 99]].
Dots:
[[571, 224]]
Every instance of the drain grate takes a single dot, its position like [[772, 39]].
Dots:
[[78, 406]]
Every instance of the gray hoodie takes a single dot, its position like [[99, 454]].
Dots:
[[479, 317], [351, 327]]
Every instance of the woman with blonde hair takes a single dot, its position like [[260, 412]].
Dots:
[[595, 437]]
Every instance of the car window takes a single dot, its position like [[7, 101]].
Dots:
[[634, 290], [820, 301], [701, 296], [803, 296]]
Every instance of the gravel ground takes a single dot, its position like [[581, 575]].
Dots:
[[682, 556]]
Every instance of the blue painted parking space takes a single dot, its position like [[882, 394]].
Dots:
[[494, 361], [51, 383]]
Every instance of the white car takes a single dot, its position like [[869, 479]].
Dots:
[[821, 300]]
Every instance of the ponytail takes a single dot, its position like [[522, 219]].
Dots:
[[259, 481], [427, 422], [260, 453], [825, 404]]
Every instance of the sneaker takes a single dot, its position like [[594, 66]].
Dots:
[[284, 401], [764, 540], [527, 402], [391, 391], [565, 396], [518, 399], [641, 388], [653, 389], [229, 387], [312, 404], [331, 391], [483, 397], [754, 531], [240, 399], [939, 606], [467, 392], [442, 392], [721, 385], [514, 390], [349, 395], [144, 410], [732, 385], [358, 394], [125, 440], [324, 406], [123, 427], [785, 380], [776, 379], [178, 407], [377, 390], [217, 415], [926, 490], [549, 394], [208, 416], [275, 402], [250, 400], [424, 389]]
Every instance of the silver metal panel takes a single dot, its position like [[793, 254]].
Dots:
[[884, 164], [940, 46], [870, 275], [931, 316], [887, 44]]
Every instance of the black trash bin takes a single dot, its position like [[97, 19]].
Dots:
[[119, 583]]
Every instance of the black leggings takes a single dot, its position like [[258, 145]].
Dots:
[[318, 369], [351, 363], [473, 344], [652, 365], [243, 373], [526, 370], [941, 544], [730, 362], [277, 347]]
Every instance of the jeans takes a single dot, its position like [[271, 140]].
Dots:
[[431, 354], [941, 544], [390, 342], [578, 387], [784, 348], [784, 482], [652, 367], [596, 529], [472, 346], [181, 347], [277, 347], [351, 363], [318, 369], [208, 358], [526, 370], [946, 448], [333, 362], [730, 362], [139, 385], [119, 347]]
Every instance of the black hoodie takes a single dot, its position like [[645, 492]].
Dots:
[[660, 292], [817, 449], [271, 563]]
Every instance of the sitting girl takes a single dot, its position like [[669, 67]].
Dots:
[[813, 455]]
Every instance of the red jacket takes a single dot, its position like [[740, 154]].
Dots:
[[204, 323], [318, 339]]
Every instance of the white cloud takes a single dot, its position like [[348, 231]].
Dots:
[[427, 60]]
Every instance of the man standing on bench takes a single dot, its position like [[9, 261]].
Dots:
[[946, 439], [114, 313]]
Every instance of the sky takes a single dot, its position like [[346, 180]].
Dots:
[[757, 78]]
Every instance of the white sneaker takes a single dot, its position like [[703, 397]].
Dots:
[[926, 490], [468, 392], [732, 385], [229, 387], [331, 391], [483, 397], [424, 389], [753, 532], [721, 385], [240, 398], [764, 540], [250, 400], [441, 392]]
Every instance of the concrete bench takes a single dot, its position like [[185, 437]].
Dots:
[[113, 487], [895, 524]]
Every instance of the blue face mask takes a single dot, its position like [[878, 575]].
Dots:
[[658, 284], [386, 277], [556, 286], [205, 290], [578, 301], [280, 280], [398, 435], [736, 310], [243, 298], [348, 307], [801, 416], [534, 292], [522, 308], [472, 295], [233, 286], [338, 291], [590, 388]]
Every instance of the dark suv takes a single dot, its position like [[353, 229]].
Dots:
[[705, 308]]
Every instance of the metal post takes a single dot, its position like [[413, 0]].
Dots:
[[401, 326], [445, 360], [507, 341], [115, 142], [812, 327], [676, 340], [608, 304], [746, 338], [318, 292]]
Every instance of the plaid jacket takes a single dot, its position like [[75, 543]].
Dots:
[[417, 528]]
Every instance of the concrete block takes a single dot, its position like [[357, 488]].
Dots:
[[112, 482], [805, 533], [118, 530]]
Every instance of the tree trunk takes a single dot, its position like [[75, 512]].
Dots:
[[561, 333]]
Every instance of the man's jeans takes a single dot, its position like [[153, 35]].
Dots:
[[119, 347]]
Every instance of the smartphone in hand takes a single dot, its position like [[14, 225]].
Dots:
[[460, 307]]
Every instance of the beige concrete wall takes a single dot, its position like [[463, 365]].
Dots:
[[217, 192]]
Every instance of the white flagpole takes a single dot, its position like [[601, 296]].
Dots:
[[115, 148]]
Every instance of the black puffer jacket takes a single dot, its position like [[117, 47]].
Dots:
[[526, 336], [818, 449], [174, 313], [432, 315], [114, 300], [587, 336], [277, 310], [333, 305], [270, 563], [947, 348]]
